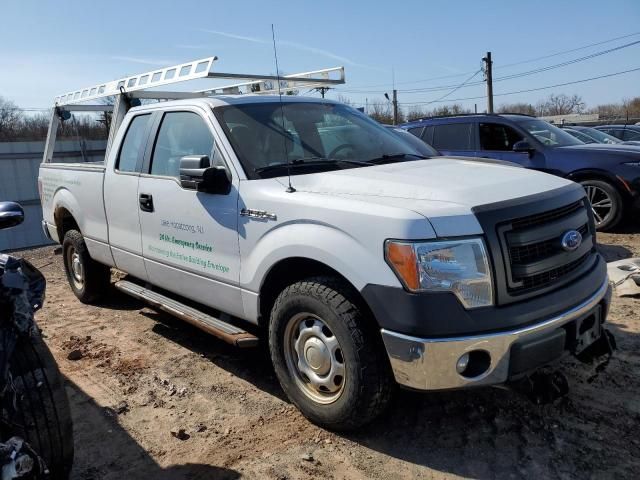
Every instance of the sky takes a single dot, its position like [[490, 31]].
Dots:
[[48, 48]]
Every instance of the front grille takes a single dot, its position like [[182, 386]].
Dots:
[[540, 250], [532, 247], [548, 277], [548, 216]]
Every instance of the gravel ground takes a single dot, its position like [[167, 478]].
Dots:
[[140, 377]]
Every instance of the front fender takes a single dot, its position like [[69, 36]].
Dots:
[[358, 262]]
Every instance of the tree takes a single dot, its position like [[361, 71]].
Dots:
[[10, 117], [381, 112], [562, 104], [519, 107]]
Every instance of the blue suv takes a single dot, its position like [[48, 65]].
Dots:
[[609, 173]]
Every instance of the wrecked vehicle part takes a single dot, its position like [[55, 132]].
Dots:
[[35, 427]]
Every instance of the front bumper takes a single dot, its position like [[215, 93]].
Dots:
[[430, 363]]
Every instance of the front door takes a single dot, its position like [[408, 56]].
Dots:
[[497, 141], [189, 238]]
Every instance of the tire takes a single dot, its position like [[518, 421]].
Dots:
[[88, 279], [347, 380], [43, 417], [606, 203]]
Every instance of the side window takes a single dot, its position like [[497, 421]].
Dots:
[[417, 131], [132, 143], [630, 135], [180, 134], [494, 136], [455, 136], [615, 132], [427, 135]]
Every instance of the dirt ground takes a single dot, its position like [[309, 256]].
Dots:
[[142, 375]]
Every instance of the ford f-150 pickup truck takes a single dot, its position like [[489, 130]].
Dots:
[[362, 263]]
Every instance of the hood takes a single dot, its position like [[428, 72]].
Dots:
[[434, 187], [603, 148]]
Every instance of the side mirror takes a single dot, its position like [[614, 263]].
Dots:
[[196, 174], [523, 146], [11, 214]]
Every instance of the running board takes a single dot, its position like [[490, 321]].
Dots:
[[219, 328]]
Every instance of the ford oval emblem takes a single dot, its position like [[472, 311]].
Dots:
[[571, 240]]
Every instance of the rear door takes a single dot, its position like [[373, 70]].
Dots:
[[121, 196], [189, 238], [457, 138]]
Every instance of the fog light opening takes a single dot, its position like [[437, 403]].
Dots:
[[473, 364]]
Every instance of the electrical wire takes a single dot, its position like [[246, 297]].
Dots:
[[531, 60]]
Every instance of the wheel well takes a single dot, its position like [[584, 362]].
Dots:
[[64, 222], [292, 270], [595, 175]]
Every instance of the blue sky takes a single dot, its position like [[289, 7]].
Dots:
[[49, 47]]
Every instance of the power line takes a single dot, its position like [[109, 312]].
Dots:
[[531, 60], [532, 89], [516, 75]]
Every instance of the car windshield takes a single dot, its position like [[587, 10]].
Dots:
[[423, 147], [581, 136], [599, 136], [312, 136], [549, 134]]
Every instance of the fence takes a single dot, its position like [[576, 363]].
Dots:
[[19, 162]]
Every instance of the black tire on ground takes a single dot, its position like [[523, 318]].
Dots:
[[88, 279], [367, 384], [603, 193], [43, 416]]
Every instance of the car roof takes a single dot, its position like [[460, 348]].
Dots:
[[465, 117], [630, 127]]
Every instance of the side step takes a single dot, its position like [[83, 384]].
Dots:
[[219, 328]]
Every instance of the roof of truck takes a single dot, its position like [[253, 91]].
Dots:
[[223, 100]]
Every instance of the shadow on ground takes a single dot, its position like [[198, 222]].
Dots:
[[119, 456], [483, 433]]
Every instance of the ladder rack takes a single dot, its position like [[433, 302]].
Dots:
[[142, 85], [199, 69]]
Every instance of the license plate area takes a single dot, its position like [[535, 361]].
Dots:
[[585, 330]]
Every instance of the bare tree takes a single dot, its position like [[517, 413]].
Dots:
[[10, 117], [518, 107], [344, 99], [563, 104], [415, 113], [381, 112]]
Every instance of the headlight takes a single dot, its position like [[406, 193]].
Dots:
[[458, 266]]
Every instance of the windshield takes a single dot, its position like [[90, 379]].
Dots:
[[581, 136], [549, 134], [422, 147], [599, 136], [316, 135]]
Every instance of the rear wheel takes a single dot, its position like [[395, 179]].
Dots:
[[42, 417], [86, 277], [606, 203], [329, 360]]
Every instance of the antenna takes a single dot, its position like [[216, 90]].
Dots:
[[290, 189]]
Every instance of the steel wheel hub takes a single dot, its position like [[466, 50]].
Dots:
[[314, 358], [77, 271]]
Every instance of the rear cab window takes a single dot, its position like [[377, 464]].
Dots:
[[130, 150]]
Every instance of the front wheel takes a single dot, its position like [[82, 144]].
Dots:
[[606, 203], [329, 360]]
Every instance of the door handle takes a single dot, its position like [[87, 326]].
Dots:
[[146, 202]]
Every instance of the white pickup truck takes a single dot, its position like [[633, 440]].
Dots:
[[363, 264]]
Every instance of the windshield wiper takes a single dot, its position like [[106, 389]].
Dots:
[[396, 157], [309, 162]]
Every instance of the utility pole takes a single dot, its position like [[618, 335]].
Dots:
[[323, 90], [489, 78], [395, 106]]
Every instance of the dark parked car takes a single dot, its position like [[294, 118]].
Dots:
[[623, 132], [596, 136], [609, 173]]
